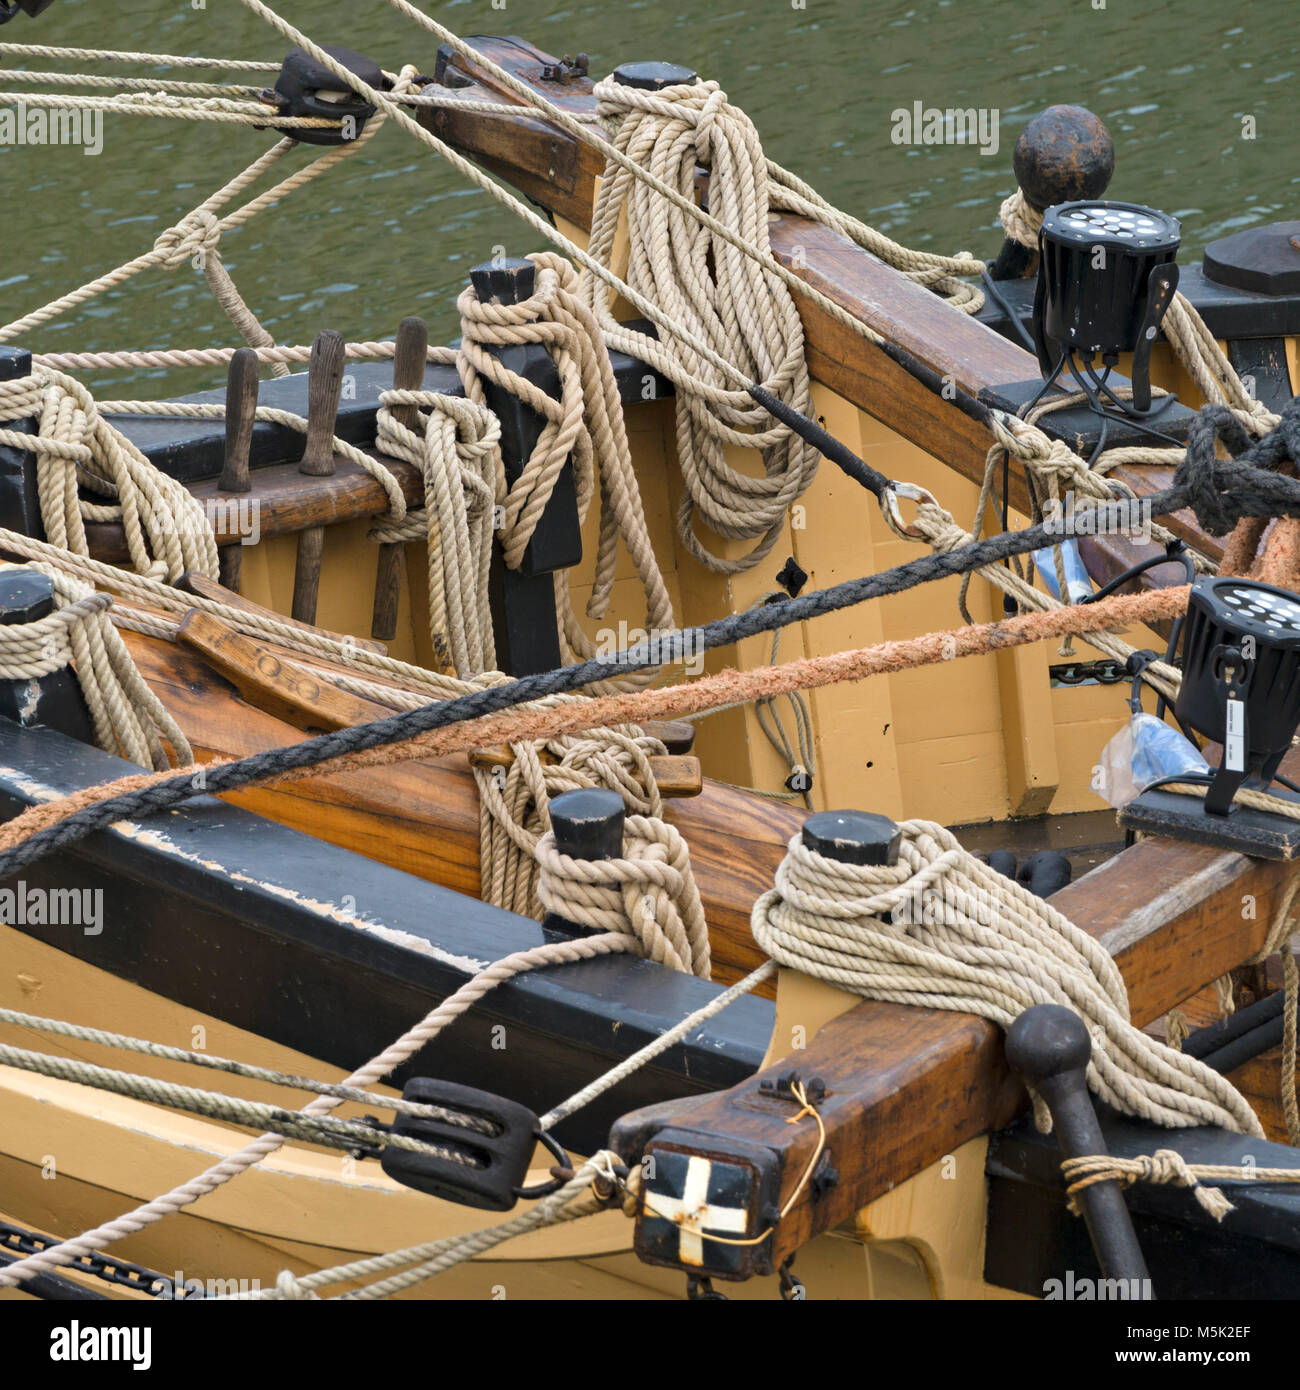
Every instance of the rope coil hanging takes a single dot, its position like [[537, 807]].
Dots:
[[725, 298], [941, 930], [585, 423], [167, 531], [459, 457]]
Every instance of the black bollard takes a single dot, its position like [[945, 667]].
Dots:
[[654, 77], [54, 700], [852, 837], [20, 507], [588, 824], [1064, 154], [523, 600], [1049, 1046]]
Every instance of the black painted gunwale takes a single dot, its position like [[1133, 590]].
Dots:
[[242, 949]]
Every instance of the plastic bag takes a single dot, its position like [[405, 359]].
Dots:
[[1077, 579], [1145, 750]]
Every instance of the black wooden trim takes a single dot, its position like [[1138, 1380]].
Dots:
[[326, 951]]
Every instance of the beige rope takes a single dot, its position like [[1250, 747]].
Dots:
[[167, 531], [586, 423], [515, 801], [111, 55], [937, 525], [1168, 1166], [220, 1173], [648, 893], [459, 456], [127, 717], [165, 104], [1021, 221], [942, 930], [196, 233], [729, 300]]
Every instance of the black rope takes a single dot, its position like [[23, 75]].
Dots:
[[1219, 491]]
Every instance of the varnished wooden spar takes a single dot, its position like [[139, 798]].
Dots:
[[292, 691], [559, 171], [424, 817]]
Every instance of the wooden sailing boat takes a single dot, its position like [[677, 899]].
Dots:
[[302, 929]]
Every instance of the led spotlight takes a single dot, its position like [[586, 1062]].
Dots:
[[1106, 276], [1241, 678], [1241, 689]]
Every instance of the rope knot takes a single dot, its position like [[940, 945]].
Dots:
[[1020, 221], [198, 233], [649, 893]]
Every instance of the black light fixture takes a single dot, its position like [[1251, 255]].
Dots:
[[1241, 678], [1106, 277], [1240, 689]]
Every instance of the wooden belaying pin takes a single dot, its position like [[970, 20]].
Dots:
[[409, 360], [241, 407], [324, 389]]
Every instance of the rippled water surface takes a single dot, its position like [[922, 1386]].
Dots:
[[393, 232]]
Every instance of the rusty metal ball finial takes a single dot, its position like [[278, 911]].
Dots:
[[1063, 155]]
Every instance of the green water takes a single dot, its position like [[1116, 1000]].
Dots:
[[392, 232]]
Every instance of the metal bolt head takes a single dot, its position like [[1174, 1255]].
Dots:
[[588, 823], [852, 837], [1063, 155], [25, 596], [654, 77]]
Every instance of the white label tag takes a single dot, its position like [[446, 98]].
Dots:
[[1234, 740]]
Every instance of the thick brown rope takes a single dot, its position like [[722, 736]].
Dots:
[[712, 692]]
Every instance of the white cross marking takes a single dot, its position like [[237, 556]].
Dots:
[[692, 1213]]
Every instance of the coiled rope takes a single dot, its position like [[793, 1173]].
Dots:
[[458, 453], [167, 531], [727, 299], [128, 719], [942, 930]]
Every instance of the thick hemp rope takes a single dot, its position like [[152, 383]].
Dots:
[[128, 719], [167, 531], [515, 801], [648, 893], [729, 300], [459, 457], [585, 424], [942, 930]]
